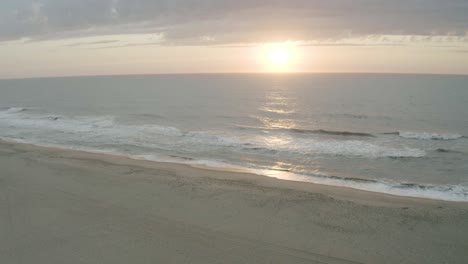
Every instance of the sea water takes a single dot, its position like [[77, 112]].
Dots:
[[390, 133]]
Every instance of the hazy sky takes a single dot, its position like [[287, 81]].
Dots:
[[94, 37]]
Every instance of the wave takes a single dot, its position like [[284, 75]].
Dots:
[[104, 130], [351, 148], [83, 130], [244, 127], [425, 135], [438, 192], [103, 134], [331, 132], [309, 131], [277, 110], [240, 118], [12, 110], [150, 116], [340, 178], [442, 150], [455, 193], [356, 116], [351, 116], [407, 135], [288, 146], [391, 133]]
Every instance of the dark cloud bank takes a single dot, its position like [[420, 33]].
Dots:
[[227, 21]]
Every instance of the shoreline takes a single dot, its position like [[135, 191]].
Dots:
[[333, 188], [58, 205]]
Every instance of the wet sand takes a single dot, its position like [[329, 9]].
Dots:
[[61, 206]]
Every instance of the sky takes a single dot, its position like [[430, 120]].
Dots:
[[41, 38]]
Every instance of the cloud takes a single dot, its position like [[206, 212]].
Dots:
[[130, 45], [344, 44], [194, 22], [91, 43]]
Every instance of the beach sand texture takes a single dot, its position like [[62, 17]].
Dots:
[[60, 206]]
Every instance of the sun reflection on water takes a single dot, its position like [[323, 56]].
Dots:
[[278, 110]]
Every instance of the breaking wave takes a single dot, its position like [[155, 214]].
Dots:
[[455, 193], [428, 136], [12, 110], [330, 132], [352, 148], [103, 134], [310, 131], [445, 192], [442, 150], [104, 130]]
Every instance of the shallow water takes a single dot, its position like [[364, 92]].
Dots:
[[399, 134]]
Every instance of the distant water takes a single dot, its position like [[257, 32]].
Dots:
[[397, 134]]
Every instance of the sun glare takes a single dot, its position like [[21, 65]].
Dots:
[[278, 57]]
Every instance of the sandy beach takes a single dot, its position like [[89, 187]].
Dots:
[[60, 206]]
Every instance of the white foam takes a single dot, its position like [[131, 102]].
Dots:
[[84, 126], [445, 193], [429, 136], [155, 129], [210, 138], [336, 147], [13, 110], [4, 112], [287, 144], [104, 130], [454, 193], [361, 148]]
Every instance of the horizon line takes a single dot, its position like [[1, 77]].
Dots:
[[228, 73]]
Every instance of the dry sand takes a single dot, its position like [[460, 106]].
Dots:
[[59, 206]]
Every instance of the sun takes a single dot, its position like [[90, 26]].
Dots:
[[279, 56]]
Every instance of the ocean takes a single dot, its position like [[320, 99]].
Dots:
[[397, 134]]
